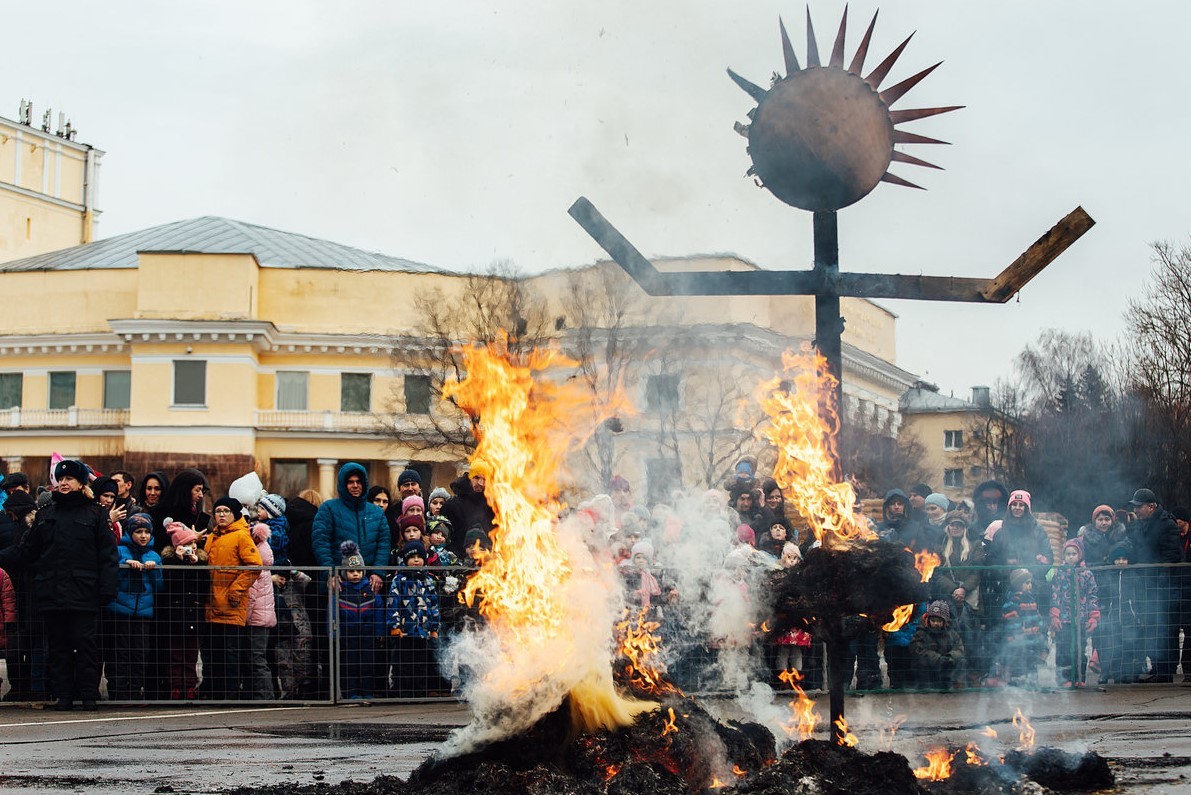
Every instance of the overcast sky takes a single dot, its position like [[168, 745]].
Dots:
[[459, 133]]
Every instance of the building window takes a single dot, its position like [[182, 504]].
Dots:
[[355, 392], [289, 477], [10, 390], [190, 382], [953, 478], [292, 388], [61, 390], [117, 389], [661, 392], [662, 476], [953, 440], [417, 394]]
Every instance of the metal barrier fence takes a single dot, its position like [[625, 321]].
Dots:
[[314, 642]]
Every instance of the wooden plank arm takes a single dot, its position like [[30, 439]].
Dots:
[[1038, 256]]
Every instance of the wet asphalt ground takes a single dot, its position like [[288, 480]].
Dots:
[[1145, 731]]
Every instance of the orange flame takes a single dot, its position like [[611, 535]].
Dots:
[[974, 757], [670, 725], [845, 737], [610, 772], [926, 563], [530, 581], [642, 648], [739, 771], [938, 765], [805, 443], [804, 718], [900, 616], [1025, 731], [989, 731], [716, 783], [887, 735]]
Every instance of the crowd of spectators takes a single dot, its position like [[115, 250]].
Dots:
[[134, 583]]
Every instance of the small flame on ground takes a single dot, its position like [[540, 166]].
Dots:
[[805, 443], [938, 765], [1025, 731], [901, 615], [926, 563], [974, 757], [610, 772], [739, 771], [989, 731], [887, 735], [804, 717], [642, 647], [716, 783], [671, 725], [845, 737]]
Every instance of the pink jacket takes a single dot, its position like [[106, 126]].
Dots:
[[8, 606], [261, 610]]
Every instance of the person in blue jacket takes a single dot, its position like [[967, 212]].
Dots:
[[127, 617], [353, 518]]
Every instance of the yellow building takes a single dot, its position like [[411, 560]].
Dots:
[[48, 187], [947, 428], [229, 346]]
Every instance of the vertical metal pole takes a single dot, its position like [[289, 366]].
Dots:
[[829, 326]]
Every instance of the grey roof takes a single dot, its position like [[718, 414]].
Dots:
[[215, 235], [919, 400]]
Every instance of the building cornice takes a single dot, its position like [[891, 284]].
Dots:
[[95, 342]]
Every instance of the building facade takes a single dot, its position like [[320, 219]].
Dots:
[[949, 431]]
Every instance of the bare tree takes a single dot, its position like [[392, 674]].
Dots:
[[1159, 352], [876, 459]]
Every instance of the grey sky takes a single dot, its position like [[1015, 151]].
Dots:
[[458, 133]]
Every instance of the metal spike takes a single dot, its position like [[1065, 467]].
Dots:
[[741, 129], [877, 75], [894, 93], [857, 64], [752, 89], [837, 52], [903, 137], [899, 116], [893, 179], [902, 157], [788, 50], [812, 48]]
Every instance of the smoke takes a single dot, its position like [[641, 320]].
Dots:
[[512, 685]]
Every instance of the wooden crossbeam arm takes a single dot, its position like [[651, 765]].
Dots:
[[1038, 256]]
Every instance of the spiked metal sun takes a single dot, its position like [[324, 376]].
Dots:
[[822, 137]]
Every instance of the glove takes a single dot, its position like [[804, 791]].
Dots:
[[396, 632], [1093, 621], [1055, 624], [450, 584], [434, 634]]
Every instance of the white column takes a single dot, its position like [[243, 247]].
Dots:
[[326, 477]]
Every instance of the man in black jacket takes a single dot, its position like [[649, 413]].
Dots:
[[1155, 539], [73, 552], [469, 507]]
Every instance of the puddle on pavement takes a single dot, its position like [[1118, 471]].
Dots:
[[359, 733]]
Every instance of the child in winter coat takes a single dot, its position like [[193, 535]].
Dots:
[[1120, 594], [790, 645], [270, 509], [181, 604], [361, 628], [1074, 614], [938, 650], [643, 587], [413, 622], [262, 618], [127, 618], [8, 614], [1023, 643]]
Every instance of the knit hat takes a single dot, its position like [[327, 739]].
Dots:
[[14, 479], [71, 468], [922, 490], [476, 534], [939, 608], [20, 504], [1108, 509], [1181, 513], [439, 524], [480, 468], [746, 535], [643, 547], [619, 483], [104, 485], [1077, 544], [273, 504], [412, 549], [350, 557], [140, 521], [955, 516], [1019, 577], [261, 532], [1121, 550], [1021, 495], [412, 499], [413, 520], [180, 534], [232, 503], [409, 476], [939, 500], [439, 492]]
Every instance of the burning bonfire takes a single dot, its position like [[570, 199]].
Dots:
[[568, 691]]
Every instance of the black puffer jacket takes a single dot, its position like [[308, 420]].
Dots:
[[300, 513], [73, 554], [467, 509]]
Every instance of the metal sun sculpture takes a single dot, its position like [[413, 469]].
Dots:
[[822, 137]]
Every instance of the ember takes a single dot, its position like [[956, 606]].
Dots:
[[938, 765], [845, 737]]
